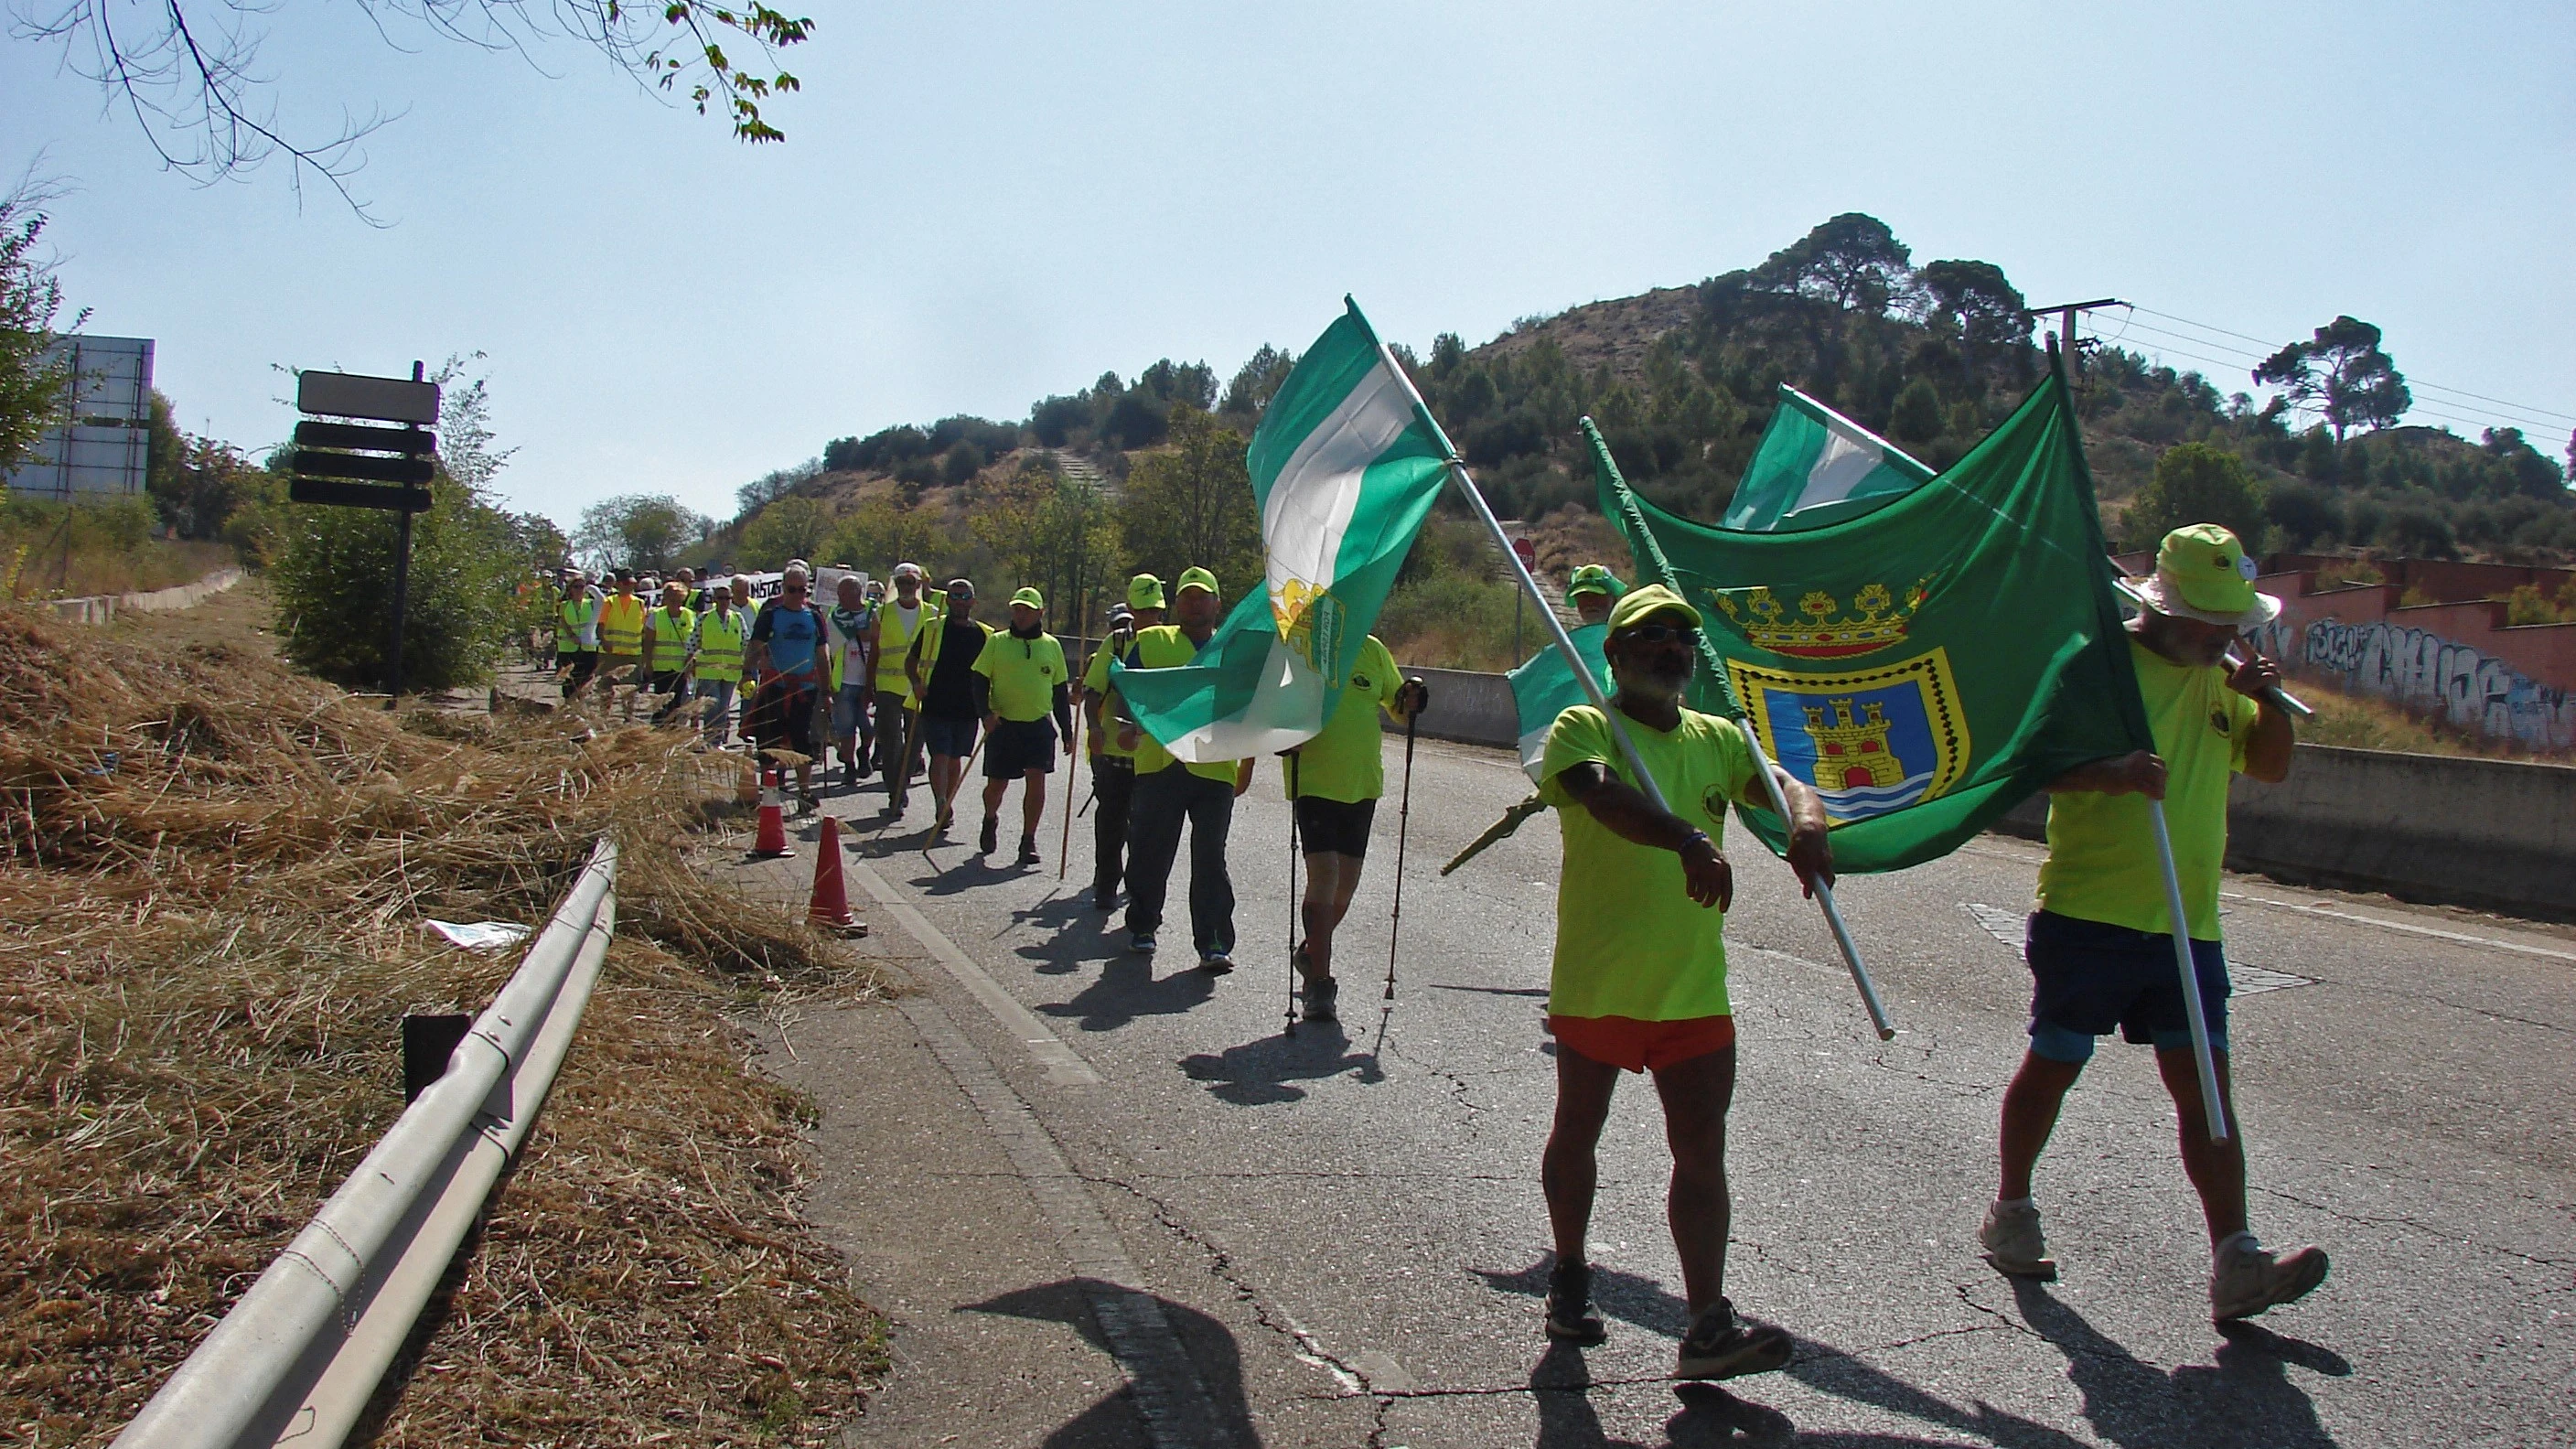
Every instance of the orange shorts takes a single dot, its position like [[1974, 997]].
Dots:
[[1640, 1046]]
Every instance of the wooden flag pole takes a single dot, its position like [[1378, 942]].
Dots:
[[2191, 1007]]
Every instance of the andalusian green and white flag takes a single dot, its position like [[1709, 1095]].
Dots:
[[1345, 466], [1545, 687], [1816, 467]]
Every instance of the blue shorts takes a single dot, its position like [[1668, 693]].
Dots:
[[849, 708], [2090, 978], [952, 735]]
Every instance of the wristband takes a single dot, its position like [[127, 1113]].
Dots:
[[1696, 835]]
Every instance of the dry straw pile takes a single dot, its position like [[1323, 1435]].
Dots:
[[212, 878]]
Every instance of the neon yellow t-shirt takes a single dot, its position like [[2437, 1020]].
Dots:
[[1165, 647], [1096, 680], [2102, 848], [1024, 672], [1629, 939], [1346, 761]]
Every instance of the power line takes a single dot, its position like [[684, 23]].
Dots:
[[2434, 408], [2410, 381]]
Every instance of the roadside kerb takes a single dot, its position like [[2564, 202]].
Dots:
[[103, 608]]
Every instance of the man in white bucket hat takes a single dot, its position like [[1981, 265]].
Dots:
[[2101, 951]]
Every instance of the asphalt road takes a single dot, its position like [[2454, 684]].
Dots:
[[1349, 1237]]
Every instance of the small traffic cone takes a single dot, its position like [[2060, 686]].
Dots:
[[771, 843], [830, 907]]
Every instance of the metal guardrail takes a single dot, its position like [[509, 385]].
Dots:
[[296, 1360]]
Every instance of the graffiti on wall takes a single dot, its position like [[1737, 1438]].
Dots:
[[2472, 689]]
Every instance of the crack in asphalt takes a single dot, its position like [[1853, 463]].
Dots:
[[2427, 1229], [1292, 1335]]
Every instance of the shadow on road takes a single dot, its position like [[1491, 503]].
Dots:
[[1214, 1359], [1260, 1073], [2245, 1400], [1562, 1388], [1070, 933], [1127, 989], [1623, 1296]]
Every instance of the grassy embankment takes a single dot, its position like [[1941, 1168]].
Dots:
[[48, 551], [213, 874]]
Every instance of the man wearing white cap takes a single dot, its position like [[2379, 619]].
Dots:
[[2101, 951]]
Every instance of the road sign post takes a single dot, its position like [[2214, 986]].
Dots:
[[343, 465]]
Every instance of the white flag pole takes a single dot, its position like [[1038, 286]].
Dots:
[[1771, 784], [2191, 1008]]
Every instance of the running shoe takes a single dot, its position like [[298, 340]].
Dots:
[[1104, 900], [2249, 1278], [849, 776], [989, 839], [806, 804], [1719, 1347], [1319, 999], [1143, 944], [1216, 963], [1570, 1318], [1028, 850], [2013, 1243]]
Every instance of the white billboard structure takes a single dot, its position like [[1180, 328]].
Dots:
[[102, 451]]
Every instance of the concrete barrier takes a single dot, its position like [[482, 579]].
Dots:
[[103, 608], [2498, 834], [1470, 708]]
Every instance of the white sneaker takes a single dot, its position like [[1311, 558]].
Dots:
[[2249, 1277], [2013, 1243]]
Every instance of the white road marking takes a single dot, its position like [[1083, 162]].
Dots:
[[2461, 937], [1064, 1066]]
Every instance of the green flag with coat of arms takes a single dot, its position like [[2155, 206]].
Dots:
[[1929, 665]]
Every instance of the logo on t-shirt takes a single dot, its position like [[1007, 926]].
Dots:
[[1713, 801], [2218, 719], [1360, 681]]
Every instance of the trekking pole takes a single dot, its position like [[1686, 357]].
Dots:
[[1294, 904], [1395, 918], [1072, 770]]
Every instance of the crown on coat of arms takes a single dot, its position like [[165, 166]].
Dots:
[[1822, 628]]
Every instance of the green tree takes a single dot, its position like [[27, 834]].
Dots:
[[882, 532], [1987, 312], [789, 528], [2343, 375], [1191, 504], [1049, 532], [1916, 417], [333, 577], [2197, 483], [637, 530], [31, 384]]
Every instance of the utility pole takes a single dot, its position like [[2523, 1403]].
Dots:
[[2066, 313]]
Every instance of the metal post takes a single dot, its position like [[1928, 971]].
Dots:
[[402, 583]]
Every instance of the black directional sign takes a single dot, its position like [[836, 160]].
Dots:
[[337, 464], [356, 495]]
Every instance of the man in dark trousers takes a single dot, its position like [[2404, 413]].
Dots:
[[1170, 794], [942, 673], [1114, 738]]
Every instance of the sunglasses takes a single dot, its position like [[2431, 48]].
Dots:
[[1659, 633]]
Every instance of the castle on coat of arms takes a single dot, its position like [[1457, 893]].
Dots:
[[1853, 753]]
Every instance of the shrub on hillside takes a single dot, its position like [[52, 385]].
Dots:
[[333, 572], [2196, 483]]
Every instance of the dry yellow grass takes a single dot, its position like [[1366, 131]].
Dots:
[[212, 876]]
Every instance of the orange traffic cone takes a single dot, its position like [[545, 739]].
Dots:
[[830, 908], [771, 843]]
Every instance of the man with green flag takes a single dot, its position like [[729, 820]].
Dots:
[[2100, 951], [1639, 974], [1344, 468]]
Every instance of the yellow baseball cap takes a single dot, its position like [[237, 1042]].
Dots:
[[1144, 592], [1594, 579], [1197, 578], [1638, 605], [1030, 597]]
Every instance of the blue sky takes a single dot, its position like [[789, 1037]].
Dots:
[[991, 202]]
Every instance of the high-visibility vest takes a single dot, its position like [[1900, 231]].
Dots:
[[720, 637], [894, 642], [581, 619], [621, 625], [671, 636]]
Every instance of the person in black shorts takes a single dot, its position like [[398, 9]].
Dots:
[[941, 669], [1027, 698], [1334, 781]]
